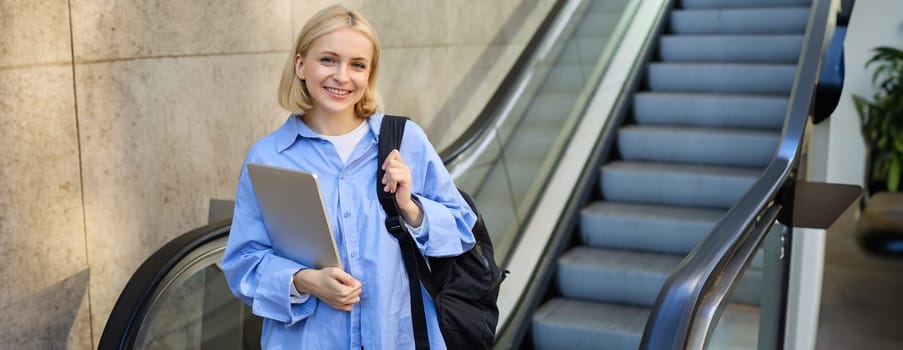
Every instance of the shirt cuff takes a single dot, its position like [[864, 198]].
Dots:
[[418, 231], [296, 297]]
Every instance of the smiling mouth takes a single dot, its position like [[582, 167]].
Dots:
[[337, 91]]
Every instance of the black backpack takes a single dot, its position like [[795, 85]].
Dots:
[[465, 288]]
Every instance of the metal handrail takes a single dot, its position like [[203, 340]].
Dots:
[[676, 317]]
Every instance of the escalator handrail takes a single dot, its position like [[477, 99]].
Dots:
[[120, 331], [489, 113], [690, 285]]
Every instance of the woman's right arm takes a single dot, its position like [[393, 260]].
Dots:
[[256, 275]]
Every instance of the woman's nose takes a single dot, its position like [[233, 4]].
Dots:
[[341, 74]]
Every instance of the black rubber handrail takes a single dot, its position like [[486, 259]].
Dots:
[[132, 305], [678, 304]]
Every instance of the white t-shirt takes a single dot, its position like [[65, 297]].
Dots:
[[345, 144]]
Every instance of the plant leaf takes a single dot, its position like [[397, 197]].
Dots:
[[893, 176], [878, 73]]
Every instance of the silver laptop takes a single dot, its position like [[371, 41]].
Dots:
[[295, 215]]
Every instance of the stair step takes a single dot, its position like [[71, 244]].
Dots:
[[734, 21], [715, 110], [722, 77], [676, 184], [610, 275], [692, 4], [576, 324], [646, 227], [681, 144], [731, 48]]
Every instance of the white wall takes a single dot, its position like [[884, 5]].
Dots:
[[837, 153]]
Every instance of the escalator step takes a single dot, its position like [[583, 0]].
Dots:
[[731, 48], [676, 184], [645, 227], [578, 324], [617, 276], [747, 20], [690, 4], [715, 110], [722, 77], [575, 324], [680, 144]]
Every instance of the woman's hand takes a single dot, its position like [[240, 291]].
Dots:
[[331, 285], [398, 181]]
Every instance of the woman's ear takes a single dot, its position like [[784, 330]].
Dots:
[[299, 63]]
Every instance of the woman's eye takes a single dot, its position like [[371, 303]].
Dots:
[[327, 60], [359, 65]]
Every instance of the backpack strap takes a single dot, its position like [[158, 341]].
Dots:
[[391, 132]]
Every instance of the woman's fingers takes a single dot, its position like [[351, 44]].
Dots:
[[395, 178], [397, 173], [341, 290], [393, 156], [347, 284]]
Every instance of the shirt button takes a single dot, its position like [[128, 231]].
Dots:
[[347, 214], [353, 255]]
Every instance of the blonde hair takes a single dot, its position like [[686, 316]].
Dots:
[[293, 94]]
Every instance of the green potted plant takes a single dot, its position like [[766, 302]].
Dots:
[[882, 121], [879, 228]]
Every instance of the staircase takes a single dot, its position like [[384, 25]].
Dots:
[[703, 126]]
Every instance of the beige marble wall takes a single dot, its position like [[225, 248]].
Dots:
[[157, 148], [171, 94], [42, 237], [115, 134]]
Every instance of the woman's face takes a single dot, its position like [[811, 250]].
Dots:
[[336, 71]]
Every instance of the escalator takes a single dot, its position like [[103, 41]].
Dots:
[[673, 161], [703, 126]]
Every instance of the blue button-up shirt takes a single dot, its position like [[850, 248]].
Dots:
[[382, 319]]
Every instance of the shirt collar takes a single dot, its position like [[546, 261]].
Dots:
[[294, 127], [375, 122]]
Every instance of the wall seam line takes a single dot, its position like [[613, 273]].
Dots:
[[176, 56], [81, 175]]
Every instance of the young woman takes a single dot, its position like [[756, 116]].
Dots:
[[329, 86]]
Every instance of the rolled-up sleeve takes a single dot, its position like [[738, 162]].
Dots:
[[448, 230], [254, 273]]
